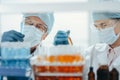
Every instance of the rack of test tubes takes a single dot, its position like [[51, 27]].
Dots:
[[58, 63], [15, 59]]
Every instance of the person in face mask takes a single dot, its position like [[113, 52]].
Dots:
[[34, 29], [108, 28], [39, 25], [107, 52]]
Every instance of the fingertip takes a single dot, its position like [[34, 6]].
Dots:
[[68, 32]]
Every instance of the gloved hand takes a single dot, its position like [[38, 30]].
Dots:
[[61, 38], [12, 36]]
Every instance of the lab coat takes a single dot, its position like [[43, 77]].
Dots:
[[99, 57], [38, 51]]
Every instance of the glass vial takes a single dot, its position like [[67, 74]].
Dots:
[[103, 73], [114, 74], [91, 75]]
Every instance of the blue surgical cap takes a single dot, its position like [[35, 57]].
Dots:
[[105, 15], [47, 18]]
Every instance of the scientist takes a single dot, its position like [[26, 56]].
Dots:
[[34, 29], [107, 52]]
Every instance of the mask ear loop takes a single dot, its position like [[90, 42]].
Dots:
[[41, 41], [116, 26]]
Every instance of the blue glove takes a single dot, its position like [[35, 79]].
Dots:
[[61, 38], [12, 36]]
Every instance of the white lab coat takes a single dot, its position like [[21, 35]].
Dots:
[[38, 51], [100, 57]]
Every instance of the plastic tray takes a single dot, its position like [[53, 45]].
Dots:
[[14, 72]]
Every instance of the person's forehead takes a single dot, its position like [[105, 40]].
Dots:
[[35, 18]]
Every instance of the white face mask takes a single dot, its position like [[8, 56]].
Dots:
[[108, 35], [32, 35]]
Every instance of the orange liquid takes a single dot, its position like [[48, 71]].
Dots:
[[62, 69], [65, 58], [79, 58], [41, 68], [69, 58], [57, 78], [52, 69], [51, 58], [70, 69], [78, 69]]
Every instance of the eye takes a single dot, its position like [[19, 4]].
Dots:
[[103, 25], [95, 25]]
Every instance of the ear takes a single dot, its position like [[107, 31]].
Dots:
[[117, 28], [44, 36]]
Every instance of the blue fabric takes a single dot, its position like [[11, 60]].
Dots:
[[105, 15], [61, 38], [12, 36]]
